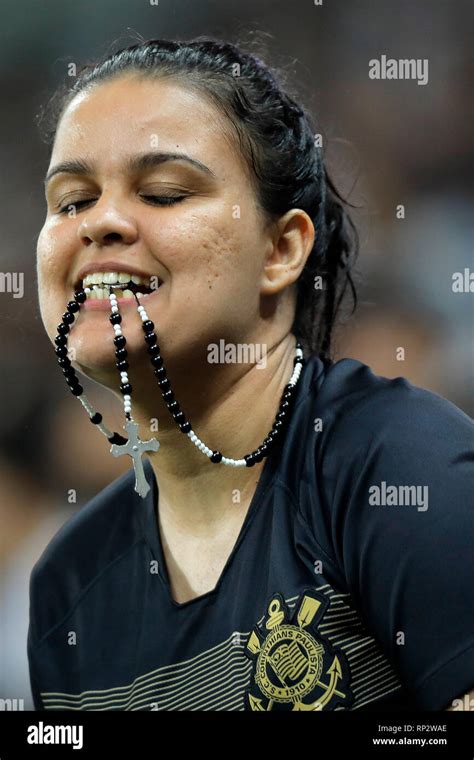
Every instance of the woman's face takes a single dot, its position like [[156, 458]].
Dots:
[[207, 249]]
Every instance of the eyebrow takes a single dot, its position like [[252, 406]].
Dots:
[[136, 163]]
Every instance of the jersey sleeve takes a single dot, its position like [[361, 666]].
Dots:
[[402, 513]]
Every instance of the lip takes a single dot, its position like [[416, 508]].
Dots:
[[112, 266], [103, 304]]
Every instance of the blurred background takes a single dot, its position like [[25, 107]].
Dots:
[[388, 142]]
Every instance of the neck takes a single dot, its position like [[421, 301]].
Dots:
[[231, 409]]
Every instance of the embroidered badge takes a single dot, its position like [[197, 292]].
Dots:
[[294, 667]]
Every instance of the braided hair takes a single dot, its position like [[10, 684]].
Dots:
[[277, 140]]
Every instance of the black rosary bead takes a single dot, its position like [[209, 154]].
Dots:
[[72, 380], [120, 341], [121, 353], [63, 329], [160, 373], [281, 415], [122, 365], [249, 460], [126, 389], [61, 350], [168, 395], [148, 325], [216, 456], [118, 439], [68, 371], [154, 350], [173, 406], [157, 360], [73, 306], [164, 383], [179, 416], [68, 318], [96, 418], [115, 319], [285, 405], [60, 340], [64, 361], [77, 390], [150, 338], [185, 427], [80, 296]]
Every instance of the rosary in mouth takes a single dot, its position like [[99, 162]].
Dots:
[[133, 445]]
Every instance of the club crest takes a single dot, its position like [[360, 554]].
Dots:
[[294, 667]]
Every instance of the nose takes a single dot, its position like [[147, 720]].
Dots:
[[106, 225]]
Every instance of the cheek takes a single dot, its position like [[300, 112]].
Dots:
[[52, 266], [229, 261], [213, 249]]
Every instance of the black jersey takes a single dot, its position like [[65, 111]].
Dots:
[[350, 585]]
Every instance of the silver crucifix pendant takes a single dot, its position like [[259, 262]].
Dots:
[[135, 448]]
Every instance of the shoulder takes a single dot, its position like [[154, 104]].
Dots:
[[92, 539], [370, 432], [358, 407]]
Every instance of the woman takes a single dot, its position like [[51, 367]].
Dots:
[[325, 565]]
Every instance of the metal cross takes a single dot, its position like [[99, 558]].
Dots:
[[135, 448]]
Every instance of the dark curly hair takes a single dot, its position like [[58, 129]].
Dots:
[[277, 140]]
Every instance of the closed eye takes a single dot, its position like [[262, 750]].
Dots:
[[164, 200], [158, 200], [76, 205]]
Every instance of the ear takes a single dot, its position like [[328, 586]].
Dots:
[[291, 243]]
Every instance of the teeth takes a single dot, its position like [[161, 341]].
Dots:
[[112, 278], [127, 293]]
